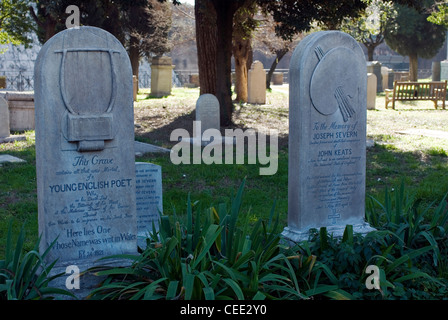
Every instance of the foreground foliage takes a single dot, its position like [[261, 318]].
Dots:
[[24, 275], [212, 255], [216, 253]]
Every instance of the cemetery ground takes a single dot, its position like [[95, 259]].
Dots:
[[417, 162]]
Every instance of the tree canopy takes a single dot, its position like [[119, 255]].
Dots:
[[411, 34], [15, 22]]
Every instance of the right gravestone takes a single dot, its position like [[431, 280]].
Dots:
[[327, 136]]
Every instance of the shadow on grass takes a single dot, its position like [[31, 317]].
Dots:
[[425, 173]]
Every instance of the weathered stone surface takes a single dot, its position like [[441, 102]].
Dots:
[[256, 84], [4, 118], [85, 147], [371, 91], [21, 110], [435, 71], [207, 111], [149, 199], [161, 76], [444, 70], [327, 136], [375, 68], [277, 78], [11, 159]]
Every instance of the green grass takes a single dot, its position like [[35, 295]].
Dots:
[[421, 161]]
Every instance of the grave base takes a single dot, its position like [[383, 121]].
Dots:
[[222, 140], [293, 235], [88, 281]]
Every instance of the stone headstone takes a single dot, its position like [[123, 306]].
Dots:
[[207, 112], [161, 76], [256, 84], [375, 68], [444, 70], [4, 118], [327, 136], [85, 147], [11, 159], [21, 110], [149, 199], [371, 91], [385, 76], [391, 79], [435, 74], [277, 78]]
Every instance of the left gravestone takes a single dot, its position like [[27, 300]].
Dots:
[[85, 147]]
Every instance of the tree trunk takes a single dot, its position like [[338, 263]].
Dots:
[[241, 52], [280, 55], [206, 44], [413, 67], [134, 55], [224, 22], [370, 50]]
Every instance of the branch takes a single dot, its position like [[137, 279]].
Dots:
[[35, 18], [185, 13]]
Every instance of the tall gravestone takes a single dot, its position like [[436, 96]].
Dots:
[[149, 198], [375, 68], [371, 91], [444, 70], [327, 136], [85, 147], [256, 84], [161, 76]]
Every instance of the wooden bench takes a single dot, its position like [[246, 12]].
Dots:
[[408, 91]]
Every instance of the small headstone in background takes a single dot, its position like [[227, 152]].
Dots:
[[256, 84], [149, 199], [391, 79], [277, 78], [4, 119], [161, 76], [375, 68], [371, 91], [385, 76], [21, 110], [207, 112], [11, 159]]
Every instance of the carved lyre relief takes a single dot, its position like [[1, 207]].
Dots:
[[88, 84], [333, 87]]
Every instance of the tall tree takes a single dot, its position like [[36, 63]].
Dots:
[[244, 25], [15, 22], [369, 28], [293, 16], [225, 10], [146, 25], [207, 45], [411, 34], [268, 42]]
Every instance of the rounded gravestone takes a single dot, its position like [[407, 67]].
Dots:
[[85, 147], [327, 136]]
